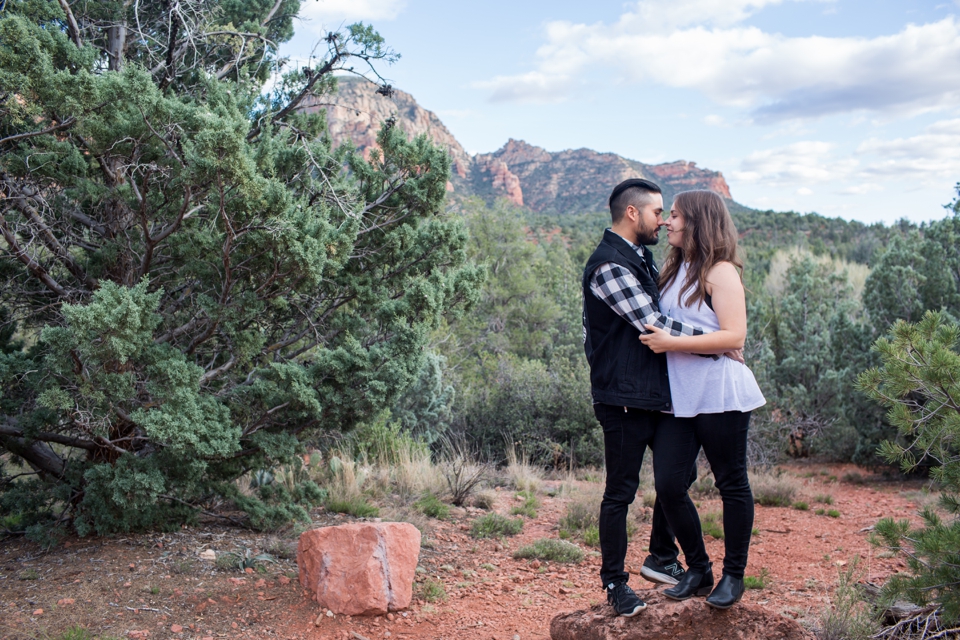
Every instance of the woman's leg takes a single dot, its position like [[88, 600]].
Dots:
[[724, 440], [675, 450]]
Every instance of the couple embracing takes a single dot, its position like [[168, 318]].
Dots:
[[666, 371]]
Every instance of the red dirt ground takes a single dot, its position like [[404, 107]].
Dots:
[[155, 586]]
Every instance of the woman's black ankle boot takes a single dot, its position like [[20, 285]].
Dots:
[[693, 583], [728, 592]]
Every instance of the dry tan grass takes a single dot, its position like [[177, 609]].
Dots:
[[521, 474]]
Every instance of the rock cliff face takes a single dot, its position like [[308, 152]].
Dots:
[[571, 181]]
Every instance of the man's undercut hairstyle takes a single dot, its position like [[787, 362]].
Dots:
[[635, 191]]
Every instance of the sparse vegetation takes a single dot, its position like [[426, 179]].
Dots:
[[773, 489], [431, 506], [759, 581], [849, 617], [485, 499], [550, 549], [800, 505], [432, 590], [529, 506], [357, 507], [823, 498], [521, 473], [494, 525], [711, 524]]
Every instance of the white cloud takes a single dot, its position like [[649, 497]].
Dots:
[[714, 120], [703, 45], [931, 158], [800, 163], [330, 12]]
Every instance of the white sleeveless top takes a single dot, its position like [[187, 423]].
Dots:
[[704, 385]]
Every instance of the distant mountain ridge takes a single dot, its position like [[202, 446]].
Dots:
[[571, 181]]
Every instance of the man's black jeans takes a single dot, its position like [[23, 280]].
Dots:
[[626, 435]]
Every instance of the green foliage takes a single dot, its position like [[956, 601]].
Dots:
[[550, 549], [850, 618], [800, 505], [529, 506], [759, 581], [431, 506], [581, 515], [356, 507], [919, 382], [76, 632], [494, 525], [432, 590], [195, 281], [246, 559], [711, 524], [518, 359]]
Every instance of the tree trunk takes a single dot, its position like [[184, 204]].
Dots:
[[116, 44]]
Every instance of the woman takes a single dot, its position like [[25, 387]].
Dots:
[[712, 397]]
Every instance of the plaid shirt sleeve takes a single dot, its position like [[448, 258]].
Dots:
[[622, 292]]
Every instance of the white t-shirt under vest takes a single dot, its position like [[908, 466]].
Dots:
[[704, 385]]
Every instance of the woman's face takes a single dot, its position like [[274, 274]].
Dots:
[[674, 225]]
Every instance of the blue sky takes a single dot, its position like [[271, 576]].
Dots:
[[849, 108]]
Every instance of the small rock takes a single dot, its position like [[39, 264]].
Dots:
[[176, 628], [390, 617], [38, 612], [284, 580], [65, 601], [516, 636], [238, 580], [535, 564], [132, 567], [128, 584], [329, 613], [248, 570], [319, 619], [208, 554]]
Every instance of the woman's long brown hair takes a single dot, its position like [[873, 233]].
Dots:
[[709, 237]]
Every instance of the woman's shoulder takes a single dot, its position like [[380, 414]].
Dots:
[[723, 271]]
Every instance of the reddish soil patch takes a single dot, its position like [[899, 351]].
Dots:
[[156, 586]]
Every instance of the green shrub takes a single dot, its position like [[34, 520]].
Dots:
[[529, 506], [759, 581], [711, 524], [550, 549], [833, 513], [75, 633], [800, 505], [591, 536], [823, 498], [485, 500], [356, 507], [495, 525], [432, 590], [430, 505]]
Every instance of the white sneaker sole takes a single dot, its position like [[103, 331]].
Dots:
[[635, 611], [656, 576]]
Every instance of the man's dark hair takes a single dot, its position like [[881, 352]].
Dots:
[[634, 191]]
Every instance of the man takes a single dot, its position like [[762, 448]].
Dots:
[[628, 381]]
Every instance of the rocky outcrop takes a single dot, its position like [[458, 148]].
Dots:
[[571, 181], [665, 619], [360, 569]]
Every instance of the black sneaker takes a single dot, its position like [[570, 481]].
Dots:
[[623, 600], [663, 574]]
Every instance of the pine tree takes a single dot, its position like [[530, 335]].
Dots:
[[919, 383], [195, 280]]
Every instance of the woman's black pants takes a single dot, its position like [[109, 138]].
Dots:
[[723, 437]]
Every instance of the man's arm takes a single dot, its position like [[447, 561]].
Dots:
[[623, 293]]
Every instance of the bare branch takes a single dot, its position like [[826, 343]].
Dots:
[[66, 124], [72, 27]]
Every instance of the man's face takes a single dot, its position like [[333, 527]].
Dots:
[[648, 220]]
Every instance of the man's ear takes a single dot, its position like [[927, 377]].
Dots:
[[632, 213]]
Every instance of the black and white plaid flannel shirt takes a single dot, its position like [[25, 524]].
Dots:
[[619, 288]]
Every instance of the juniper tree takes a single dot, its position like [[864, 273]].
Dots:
[[919, 383], [193, 279]]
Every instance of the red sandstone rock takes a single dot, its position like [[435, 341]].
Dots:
[[665, 619], [360, 569]]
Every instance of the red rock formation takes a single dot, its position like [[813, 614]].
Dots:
[[570, 181], [668, 620], [360, 569]]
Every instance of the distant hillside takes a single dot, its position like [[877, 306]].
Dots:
[[563, 182]]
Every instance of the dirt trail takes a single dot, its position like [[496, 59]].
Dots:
[[156, 586]]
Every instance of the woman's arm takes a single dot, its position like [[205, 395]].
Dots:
[[729, 303]]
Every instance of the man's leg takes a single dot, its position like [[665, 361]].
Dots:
[[626, 434]]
